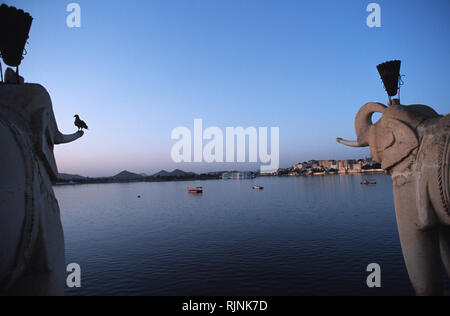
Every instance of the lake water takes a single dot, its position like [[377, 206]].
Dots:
[[299, 236]]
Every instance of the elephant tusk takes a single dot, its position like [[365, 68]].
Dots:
[[64, 139], [348, 142]]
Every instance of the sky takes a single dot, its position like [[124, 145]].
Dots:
[[137, 69]]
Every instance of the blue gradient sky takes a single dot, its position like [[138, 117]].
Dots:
[[137, 69]]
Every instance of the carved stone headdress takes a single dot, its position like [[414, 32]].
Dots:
[[390, 75], [15, 26]]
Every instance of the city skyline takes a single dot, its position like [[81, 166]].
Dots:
[[135, 72]]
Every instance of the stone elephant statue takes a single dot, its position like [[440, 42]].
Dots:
[[32, 252], [412, 144]]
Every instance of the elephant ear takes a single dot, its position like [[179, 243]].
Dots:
[[399, 141]]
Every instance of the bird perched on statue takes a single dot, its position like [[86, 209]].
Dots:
[[79, 123]]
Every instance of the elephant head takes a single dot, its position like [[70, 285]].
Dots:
[[394, 136], [33, 104]]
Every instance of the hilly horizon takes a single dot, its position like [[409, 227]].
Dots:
[[127, 175], [174, 173]]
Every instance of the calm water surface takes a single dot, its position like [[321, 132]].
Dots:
[[299, 236]]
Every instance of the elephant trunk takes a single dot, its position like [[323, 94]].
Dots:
[[363, 123], [350, 143], [64, 139]]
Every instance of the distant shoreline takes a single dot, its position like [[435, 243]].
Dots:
[[205, 178], [304, 169]]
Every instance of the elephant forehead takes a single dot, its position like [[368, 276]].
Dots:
[[26, 97], [406, 114]]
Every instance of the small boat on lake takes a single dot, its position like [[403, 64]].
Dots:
[[195, 189], [369, 182], [258, 188]]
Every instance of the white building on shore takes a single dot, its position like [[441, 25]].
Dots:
[[237, 175]]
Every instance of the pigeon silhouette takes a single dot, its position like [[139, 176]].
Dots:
[[79, 123]]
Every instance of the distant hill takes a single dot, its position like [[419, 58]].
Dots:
[[162, 173], [181, 173], [126, 175], [70, 177], [177, 173]]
